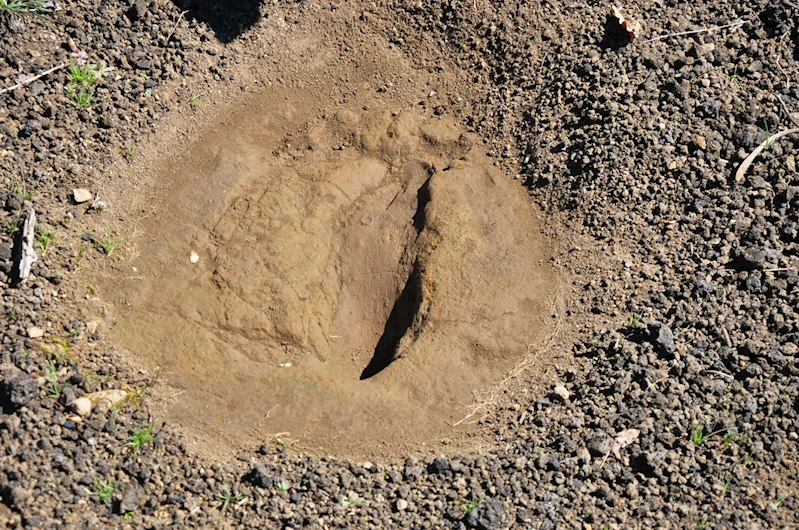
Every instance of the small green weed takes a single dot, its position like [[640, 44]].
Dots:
[[16, 8], [21, 190], [702, 524], [110, 242], [81, 98], [140, 438], [698, 436], [725, 488], [45, 242], [734, 76], [352, 499], [226, 498], [728, 439], [283, 485], [59, 356], [632, 320], [105, 489], [14, 226], [51, 376], [468, 507], [195, 98], [91, 288], [128, 515], [130, 154], [776, 504], [83, 77]]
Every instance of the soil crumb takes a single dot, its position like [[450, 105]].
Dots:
[[359, 277]]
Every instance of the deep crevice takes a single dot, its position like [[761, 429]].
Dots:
[[399, 321], [422, 198]]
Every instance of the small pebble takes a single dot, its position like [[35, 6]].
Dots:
[[82, 406], [562, 392], [82, 195]]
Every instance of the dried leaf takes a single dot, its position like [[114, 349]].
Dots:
[[633, 27], [623, 439]]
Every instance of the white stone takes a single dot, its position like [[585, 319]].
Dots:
[[35, 333], [562, 392], [402, 505], [83, 406], [112, 396], [81, 195], [194, 257]]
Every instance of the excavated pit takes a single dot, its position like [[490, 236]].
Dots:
[[359, 277]]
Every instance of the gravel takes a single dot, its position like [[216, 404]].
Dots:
[[687, 293]]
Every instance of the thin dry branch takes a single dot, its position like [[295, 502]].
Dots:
[[736, 24], [485, 400], [175, 27], [34, 78], [787, 112], [29, 256], [739, 175]]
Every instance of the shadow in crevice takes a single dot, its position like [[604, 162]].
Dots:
[[16, 253], [422, 198], [615, 36], [399, 321], [227, 18]]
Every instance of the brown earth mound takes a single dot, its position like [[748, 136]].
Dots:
[[356, 281]]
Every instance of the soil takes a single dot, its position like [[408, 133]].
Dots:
[[614, 348], [362, 273]]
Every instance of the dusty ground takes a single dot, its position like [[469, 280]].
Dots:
[[361, 293], [659, 390]]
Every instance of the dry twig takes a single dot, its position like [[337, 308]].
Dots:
[[485, 400], [29, 256], [739, 175], [720, 374], [736, 25], [34, 78], [174, 27]]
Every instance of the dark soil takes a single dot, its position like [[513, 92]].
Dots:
[[681, 315]]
